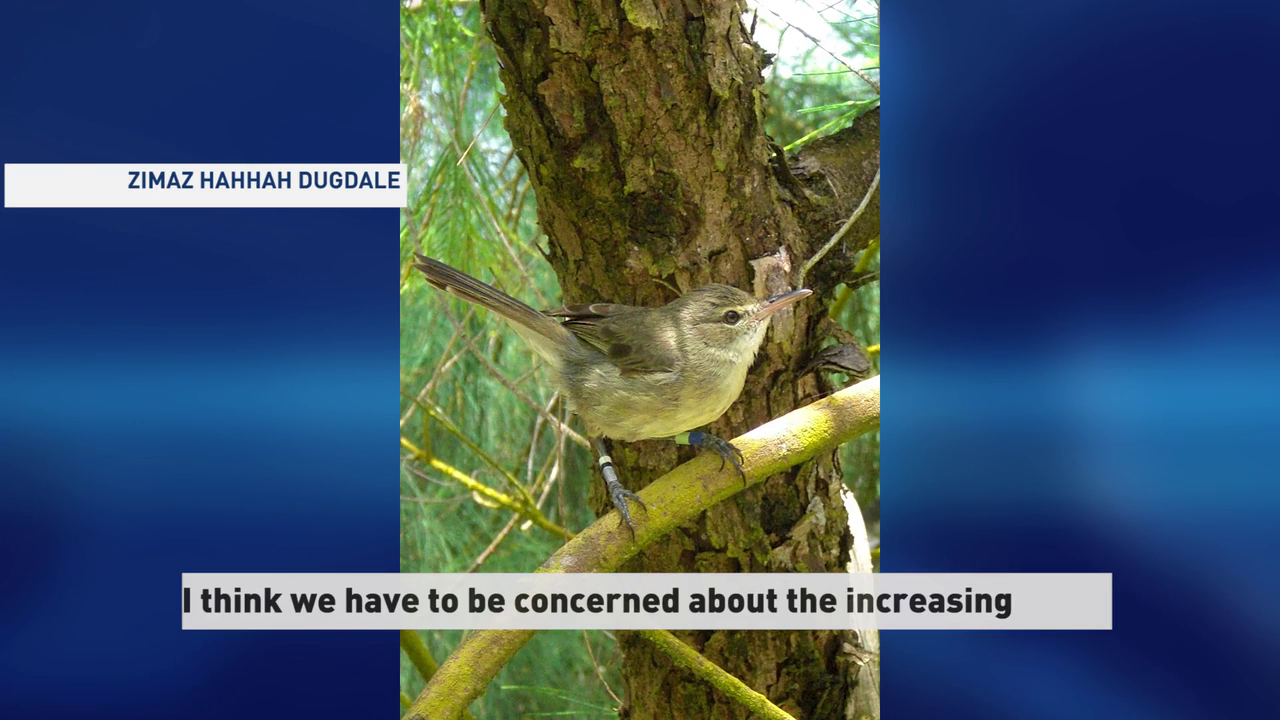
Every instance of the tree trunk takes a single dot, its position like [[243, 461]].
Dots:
[[641, 127]]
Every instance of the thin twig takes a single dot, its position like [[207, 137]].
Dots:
[[517, 187], [477, 135], [556, 459], [874, 85], [502, 169], [691, 660], [497, 375], [439, 416], [857, 213], [527, 511], [518, 208], [595, 665], [533, 442], [475, 565], [558, 454], [441, 367]]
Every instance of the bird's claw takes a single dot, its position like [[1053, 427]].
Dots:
[[727, 451], [619, 496]]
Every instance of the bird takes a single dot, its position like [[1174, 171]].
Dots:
[[635, 373]]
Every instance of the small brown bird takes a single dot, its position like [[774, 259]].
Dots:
[[634, 373]]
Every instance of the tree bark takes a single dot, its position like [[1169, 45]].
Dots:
[[641, 127]]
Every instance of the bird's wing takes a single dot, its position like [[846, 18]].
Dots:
[[607, 328]]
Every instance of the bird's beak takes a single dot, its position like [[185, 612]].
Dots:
[[777, 302]]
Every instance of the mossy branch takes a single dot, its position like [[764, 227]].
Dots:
[[527, 510], [673, 499], [691, 660], [418, 654]]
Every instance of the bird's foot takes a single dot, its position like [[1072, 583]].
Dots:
[[618, 494], [722, 447]]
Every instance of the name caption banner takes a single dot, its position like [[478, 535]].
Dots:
[[185, 185]]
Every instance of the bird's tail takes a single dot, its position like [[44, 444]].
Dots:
[[542, 333]]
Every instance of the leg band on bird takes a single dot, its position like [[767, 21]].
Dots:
[[722, 447], [618, 494]]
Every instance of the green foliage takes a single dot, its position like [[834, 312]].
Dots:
[[470, 205], [827, 66], [478, 215]]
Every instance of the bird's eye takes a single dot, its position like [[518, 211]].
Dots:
[[732, 317]]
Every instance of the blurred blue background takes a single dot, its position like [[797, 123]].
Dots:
[[1081, 310], [1082, 295], [194, 390]]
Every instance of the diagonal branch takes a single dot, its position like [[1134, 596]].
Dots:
[[673, 499], [857, 213], [527, 509], [693, 661], [416, 650]]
